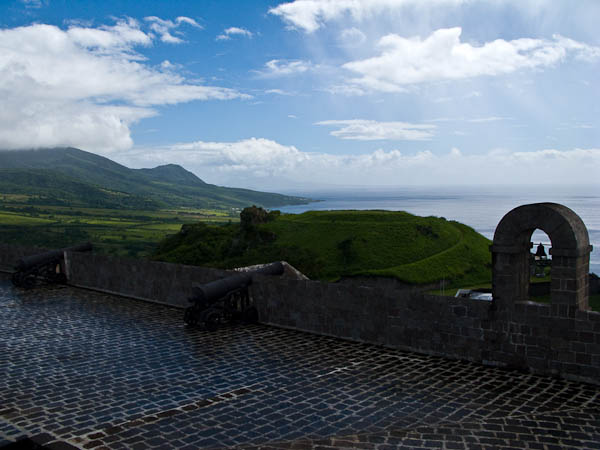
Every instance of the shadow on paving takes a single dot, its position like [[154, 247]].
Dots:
[[98, 371]]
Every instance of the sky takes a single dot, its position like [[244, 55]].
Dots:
[[288, 95]]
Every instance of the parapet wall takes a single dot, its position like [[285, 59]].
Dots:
[[542, 338], [545, 339], [153, 281]]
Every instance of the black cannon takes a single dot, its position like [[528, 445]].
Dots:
[[44, 266], [226, 300]]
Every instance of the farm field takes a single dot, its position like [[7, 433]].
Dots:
[[130, 233]]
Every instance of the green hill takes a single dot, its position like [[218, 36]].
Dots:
[[331, 244], [164, 186], [49, 187]]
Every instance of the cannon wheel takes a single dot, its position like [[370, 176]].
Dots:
[[211, 322], [16, 279], [251, 315], [23, 280], [190, 317]]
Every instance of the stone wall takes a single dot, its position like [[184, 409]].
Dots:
[[158, 282], [551, 339], [545, 339], [539, 289]]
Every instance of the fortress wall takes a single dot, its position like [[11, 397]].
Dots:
[[542, 338], [153, 281], [548, 339], [539, 289], [355, 313]]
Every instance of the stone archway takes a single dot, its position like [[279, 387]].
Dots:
[[570, 255]]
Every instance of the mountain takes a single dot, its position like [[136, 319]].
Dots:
[[49, 187], [173, 173], [71, 174]]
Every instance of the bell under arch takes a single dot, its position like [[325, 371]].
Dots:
[[540, 259], [570, 255]]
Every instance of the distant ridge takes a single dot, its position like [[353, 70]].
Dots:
[[70, 175], [173, 173]]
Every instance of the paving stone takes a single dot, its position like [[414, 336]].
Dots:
[[100, 371]]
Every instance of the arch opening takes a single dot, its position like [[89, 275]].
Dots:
[[540, 267], [568, 254]]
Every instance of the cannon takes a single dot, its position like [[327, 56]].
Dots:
[[45, 266], [226, 300]]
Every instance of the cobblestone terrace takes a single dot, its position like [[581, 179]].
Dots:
[[94, 371]]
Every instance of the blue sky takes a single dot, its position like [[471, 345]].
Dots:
[[311, 93]]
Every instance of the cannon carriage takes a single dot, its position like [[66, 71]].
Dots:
[[47, 267], [226, 300]]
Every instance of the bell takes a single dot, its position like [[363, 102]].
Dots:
[[541, 252]]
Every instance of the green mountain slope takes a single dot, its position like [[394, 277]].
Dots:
[[331, 244], [49, 187], [163, 186]]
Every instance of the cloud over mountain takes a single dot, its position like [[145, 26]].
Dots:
[[264, 162]]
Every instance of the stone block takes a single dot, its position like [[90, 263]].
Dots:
[[592, 349], [586, 337], [577, 347], [536, 352], [583, 358]]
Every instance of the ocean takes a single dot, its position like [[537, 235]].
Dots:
[[481, 207]]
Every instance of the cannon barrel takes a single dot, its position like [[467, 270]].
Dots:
[[215, 290], [227, 299], [49, 257], [275, 268]]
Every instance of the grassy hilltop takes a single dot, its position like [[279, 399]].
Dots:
[[328, 245]]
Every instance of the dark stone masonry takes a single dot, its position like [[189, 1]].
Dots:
[[89, 370], [329, 366]]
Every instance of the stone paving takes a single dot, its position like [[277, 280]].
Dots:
[[86, 370]]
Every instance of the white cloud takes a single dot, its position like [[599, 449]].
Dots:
[[278, 92], [309, 15], [470, 120], [470, 95], [442, 56], [352, 36], [52, 80], [33, 3], [163, 27], [261, 163], [234, 31], [256, 156], [346, 89], [279, 67], [371, 130], [488, 119], [75, 124]]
